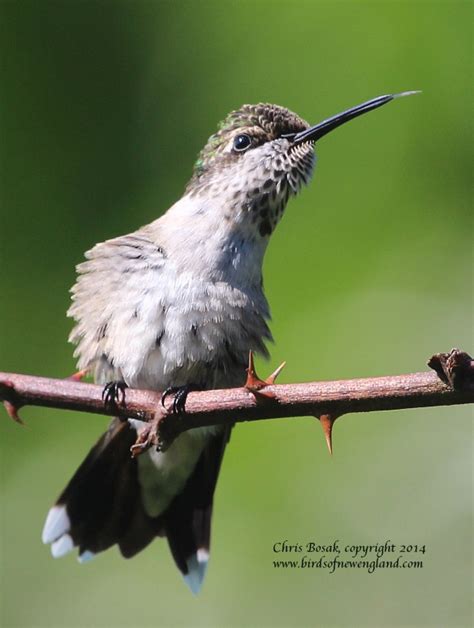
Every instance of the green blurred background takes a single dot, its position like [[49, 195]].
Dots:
[[104, 107]]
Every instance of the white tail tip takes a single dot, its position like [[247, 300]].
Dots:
[[56, 524], [197, 565], [62, 546], [86, 556]]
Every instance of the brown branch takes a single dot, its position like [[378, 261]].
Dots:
[[327, 400]]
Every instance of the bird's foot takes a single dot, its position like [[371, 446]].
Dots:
[[153, 434], [180, 395], [147, 437], [255, 385], [114, 394]]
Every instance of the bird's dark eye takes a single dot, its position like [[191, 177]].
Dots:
[[241, 142]]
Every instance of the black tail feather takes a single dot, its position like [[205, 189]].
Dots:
[[102, 506], [187, 521], [103, 497]]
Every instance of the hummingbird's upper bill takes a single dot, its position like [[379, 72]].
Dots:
[[318, 131]]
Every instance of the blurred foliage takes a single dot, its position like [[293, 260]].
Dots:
[[104, 107]]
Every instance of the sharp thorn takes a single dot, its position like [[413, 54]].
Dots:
[[12, 412], [254, 383], [251, 367], [327, 421], [271, 378], [78, 376]]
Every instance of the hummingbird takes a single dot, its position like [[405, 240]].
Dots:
[[176, 306]]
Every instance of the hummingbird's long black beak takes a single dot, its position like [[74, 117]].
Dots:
[[316, 132]]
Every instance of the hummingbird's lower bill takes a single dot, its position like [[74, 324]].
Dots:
[[178, 305]]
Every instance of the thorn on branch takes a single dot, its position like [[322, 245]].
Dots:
[[11, 401], [12, 412], [254, 384], [79, 375], [455, 369], [327, 421]]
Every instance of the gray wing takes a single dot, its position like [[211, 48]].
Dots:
[[117, 305]]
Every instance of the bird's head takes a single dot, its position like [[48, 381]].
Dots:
[[260, 155]]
